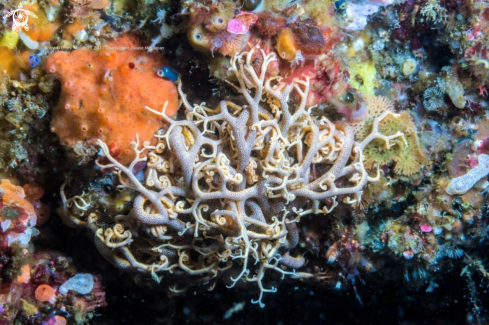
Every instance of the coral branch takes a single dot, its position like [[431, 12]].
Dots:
[[220, 184]]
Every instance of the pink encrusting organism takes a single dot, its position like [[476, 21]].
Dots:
[[425, 227], [242, 22]]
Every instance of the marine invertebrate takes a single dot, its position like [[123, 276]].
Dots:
[[270, 23], [402, 240], [286, 48], [303, 39], [462, 184], [86, 9], [354, 15], [168, 73], [433, 98], [424, 235], [478, 57], [40, 30], [17, 215], [20, 211], [30, 276], [165, 30], [208, 24], [76, 29], [454, 89], [408, 67], [12, 63], [81, 283], [326, 76], [160, 16], [225, 188], [407, 154], [309, 37], [109, 95], [52, 8], [34, 194], [363, 77], [45, 293], [242, 22], [19, 112], [198, 39], [434, 12], [252, 4], [204, 242], [9, 39], [225, 42]]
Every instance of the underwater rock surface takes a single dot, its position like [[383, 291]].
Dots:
[[247, 161]]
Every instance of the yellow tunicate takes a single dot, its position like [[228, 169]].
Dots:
[[362, 77], [9, 40], [285, 45]]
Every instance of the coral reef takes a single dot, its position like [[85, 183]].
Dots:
[[342, 145]]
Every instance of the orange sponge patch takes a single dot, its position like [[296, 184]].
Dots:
[[45, 293], [103, 95], [25, 274], [12, 63], [71, 29], [40, 28]]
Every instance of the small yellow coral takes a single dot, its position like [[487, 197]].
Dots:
[[408, 157], [285, 45], [376, 105]]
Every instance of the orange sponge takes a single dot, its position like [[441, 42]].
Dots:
[[13, 63], [103, 95], [40, 29], [14, 196], [45, 293]]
